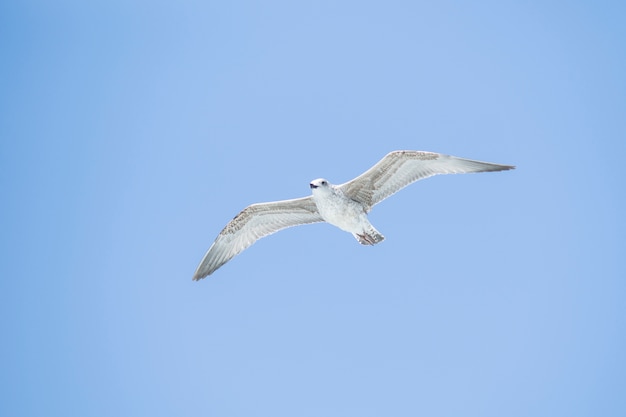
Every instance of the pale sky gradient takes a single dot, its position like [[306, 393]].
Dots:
[[133, 131]]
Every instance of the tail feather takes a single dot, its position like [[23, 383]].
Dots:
[[370, 237]]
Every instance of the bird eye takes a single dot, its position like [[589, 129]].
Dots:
[[323, 182]]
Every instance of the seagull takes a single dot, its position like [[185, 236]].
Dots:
[[345, 206]]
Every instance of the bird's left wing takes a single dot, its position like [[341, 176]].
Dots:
[[400, 168], [253, 223]]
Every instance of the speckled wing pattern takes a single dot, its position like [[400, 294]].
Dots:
[[253, 223], [401, 168]]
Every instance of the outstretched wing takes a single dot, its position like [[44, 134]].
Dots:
[[253, 223], [401, 168]]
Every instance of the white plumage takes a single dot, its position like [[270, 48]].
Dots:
[[345, 206]]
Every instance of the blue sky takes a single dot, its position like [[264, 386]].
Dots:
[[132, 132]]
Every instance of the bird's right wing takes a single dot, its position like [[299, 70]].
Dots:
[[253, 223]]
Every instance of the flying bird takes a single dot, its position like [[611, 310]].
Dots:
[[345, 205]]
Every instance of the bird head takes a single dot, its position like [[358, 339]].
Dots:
[[319, 183]]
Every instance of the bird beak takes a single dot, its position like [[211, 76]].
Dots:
[[313, 185]]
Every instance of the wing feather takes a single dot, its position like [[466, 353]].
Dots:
[[252, 223], [401, 168]]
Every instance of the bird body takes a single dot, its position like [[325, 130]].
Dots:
[[344, 206], [340, 210]]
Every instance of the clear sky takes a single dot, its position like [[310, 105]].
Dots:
[[133, 131]]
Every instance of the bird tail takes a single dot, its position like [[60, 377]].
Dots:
[[369, 237]]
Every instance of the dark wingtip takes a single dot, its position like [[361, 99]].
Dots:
[[498, 167], [198, 276]]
